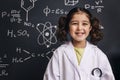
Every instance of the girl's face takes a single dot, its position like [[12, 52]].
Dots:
[[79, 27]]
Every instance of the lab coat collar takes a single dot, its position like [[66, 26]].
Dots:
[[72, 56], [71, 53]]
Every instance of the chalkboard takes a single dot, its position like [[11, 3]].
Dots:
[[28, 34]]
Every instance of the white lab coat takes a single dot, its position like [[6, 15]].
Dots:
[[64, 66]]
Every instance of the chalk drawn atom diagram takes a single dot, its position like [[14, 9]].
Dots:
[[28, 6], [70, 2], [47, 34]]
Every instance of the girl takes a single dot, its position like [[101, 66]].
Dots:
[[78, 59]]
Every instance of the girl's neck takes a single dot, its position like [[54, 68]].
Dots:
[[79, 44]]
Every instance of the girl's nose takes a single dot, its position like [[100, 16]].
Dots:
[[79, 27]]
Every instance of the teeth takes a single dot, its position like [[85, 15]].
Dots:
[[79, 33]]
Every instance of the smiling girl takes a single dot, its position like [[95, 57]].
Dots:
[[77, 58]]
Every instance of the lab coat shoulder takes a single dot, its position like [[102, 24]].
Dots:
[[101, 56], [62, 50], [99, 53]]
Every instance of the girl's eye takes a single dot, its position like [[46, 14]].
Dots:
[[85, 23], [74, 23]]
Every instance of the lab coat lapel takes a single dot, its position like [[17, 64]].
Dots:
[[86, 61], [71, 54], [85, 55]]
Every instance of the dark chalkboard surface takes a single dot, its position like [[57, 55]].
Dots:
[[27, 34]]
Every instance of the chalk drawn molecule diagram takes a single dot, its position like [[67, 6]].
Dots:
[[47, 34], [28, 6], [70, 2]]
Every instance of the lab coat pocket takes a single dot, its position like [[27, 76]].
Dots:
[[94, 77]]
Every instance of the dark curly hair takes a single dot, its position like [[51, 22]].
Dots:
[[63, 26]]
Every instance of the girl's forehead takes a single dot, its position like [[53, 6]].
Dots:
[[80, 17], [80, 13]]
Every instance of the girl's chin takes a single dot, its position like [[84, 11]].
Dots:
[[80, 40]]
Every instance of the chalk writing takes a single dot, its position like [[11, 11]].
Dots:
[[47, 11], [97, 6], [19, 33]]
